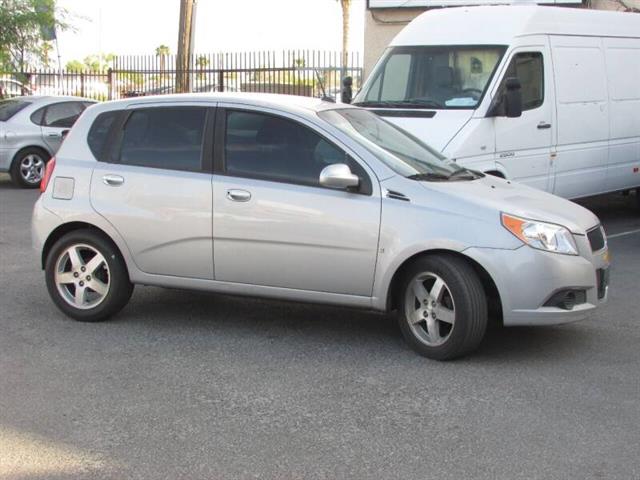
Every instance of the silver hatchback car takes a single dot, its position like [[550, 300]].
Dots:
[[31, 131], [299, 199]]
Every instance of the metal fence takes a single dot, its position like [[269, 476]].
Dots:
[[295, 72]]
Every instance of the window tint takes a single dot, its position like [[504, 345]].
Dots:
[[528, 67], [62, 115], [169, 138], [38, 116], [99, 132], [8, 108], [273, 148]]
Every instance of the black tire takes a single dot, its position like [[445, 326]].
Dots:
[[16, 175], [119, 290], [467, 293]]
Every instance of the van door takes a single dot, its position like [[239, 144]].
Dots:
[[583, 116], [523, 144]]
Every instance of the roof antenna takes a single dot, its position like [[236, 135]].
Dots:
[[324, 97]]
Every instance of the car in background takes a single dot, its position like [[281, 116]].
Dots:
[[31, 131], [10, 88]]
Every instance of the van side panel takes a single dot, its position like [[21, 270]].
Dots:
[[623, 73], [583, 116]]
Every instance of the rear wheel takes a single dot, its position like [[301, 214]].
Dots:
[[87, 277], [27, 168], [443, 308]]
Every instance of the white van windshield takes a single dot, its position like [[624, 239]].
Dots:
[[443, 77], [398, 149]]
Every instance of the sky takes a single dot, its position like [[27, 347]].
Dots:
[[138, 26]]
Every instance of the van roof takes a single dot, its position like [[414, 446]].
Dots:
[[498, 25]]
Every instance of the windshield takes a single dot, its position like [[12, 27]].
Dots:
[[443, 77], [399, 150], [8, 108]]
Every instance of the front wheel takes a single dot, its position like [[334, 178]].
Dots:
[[87, 277], [443, 307]]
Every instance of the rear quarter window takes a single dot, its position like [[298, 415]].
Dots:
[[99, 133]]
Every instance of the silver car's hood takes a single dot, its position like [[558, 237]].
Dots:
[[520, 200]]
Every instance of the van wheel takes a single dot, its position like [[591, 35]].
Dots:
[[27, 168], [87, 277], [443, 308]]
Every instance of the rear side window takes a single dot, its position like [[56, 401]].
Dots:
[[62, 115], [168, 138], [8, 108], [99, 132]]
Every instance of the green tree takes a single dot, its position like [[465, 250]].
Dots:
[[162, 51], [26, 26], [75, 66]]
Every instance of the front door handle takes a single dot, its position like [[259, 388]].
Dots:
[[237, 195], [113, 180], [544, 126]]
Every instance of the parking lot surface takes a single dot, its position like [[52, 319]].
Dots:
[[195, 385]]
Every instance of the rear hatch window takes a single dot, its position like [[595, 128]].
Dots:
[[8, 108]]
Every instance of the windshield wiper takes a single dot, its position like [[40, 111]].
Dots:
[[465, 173], [429, 176]]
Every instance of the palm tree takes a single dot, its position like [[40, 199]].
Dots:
[[162, 51], [345, 4]]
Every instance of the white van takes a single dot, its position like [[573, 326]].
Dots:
[[547, 96]]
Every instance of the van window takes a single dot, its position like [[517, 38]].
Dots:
[[528, 68], [270, 147], [445, 77], [168, 138]]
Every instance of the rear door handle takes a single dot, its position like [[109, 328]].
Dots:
[[543, 125], [237, 195], [54, 135], [113, 180]]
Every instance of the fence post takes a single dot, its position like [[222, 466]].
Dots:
[[82, 84], [220, 87], [110, 83]]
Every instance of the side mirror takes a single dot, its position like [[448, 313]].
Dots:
[[338, 175], [513, 98]]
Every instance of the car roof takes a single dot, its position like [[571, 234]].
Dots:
[[268, 100]]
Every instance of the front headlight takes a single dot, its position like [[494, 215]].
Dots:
[[541, 235]]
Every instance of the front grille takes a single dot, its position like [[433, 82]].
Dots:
[[596, 238], [602, 277]]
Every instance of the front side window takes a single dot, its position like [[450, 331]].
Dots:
[[270, 147], [168, 138], [443, 77], [528, 68], [62, 115]]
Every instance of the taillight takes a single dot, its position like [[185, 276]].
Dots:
[[48, 171]]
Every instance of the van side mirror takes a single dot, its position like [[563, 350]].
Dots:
[[509, 102], [513, 98], [339, 176]]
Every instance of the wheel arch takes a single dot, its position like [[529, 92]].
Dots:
[[65, 228], [488, 284], [46, 151]]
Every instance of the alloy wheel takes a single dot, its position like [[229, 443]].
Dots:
[[430, 309], [32, 168], [82, 276]]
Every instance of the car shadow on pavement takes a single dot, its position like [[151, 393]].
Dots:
[[216, 315]]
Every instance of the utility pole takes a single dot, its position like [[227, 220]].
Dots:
[[186, 34]]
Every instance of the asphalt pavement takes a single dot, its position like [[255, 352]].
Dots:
[[185, 385]]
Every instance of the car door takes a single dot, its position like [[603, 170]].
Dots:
[[154, 187], [274, 225], [524, 144], [58, 118]]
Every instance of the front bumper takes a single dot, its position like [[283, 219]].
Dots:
[[527, 278]]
